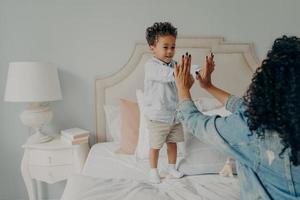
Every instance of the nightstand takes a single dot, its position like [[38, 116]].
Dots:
[[51, 162]]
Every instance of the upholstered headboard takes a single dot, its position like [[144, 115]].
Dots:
[[235, 64]]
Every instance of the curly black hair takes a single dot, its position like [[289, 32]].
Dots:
[[159, 29], [273, 97]]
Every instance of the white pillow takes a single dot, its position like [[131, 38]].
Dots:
[[143, 146], [113, 121], [201, 158]]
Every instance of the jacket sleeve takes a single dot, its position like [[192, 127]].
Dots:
[[234, 103]]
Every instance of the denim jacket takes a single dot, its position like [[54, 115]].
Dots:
[[262, 173], [160, 91]]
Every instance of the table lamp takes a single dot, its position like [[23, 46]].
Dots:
[[35, 83]]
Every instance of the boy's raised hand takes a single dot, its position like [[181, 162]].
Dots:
[[204, 75]]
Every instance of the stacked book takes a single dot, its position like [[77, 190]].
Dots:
[[75, 136]]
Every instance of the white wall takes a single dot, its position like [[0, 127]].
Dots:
[[86, 38]]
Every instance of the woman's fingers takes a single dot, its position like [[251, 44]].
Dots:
[[180, 65], [210, 62], [198, 77], [189, 64], [207, 61], [186, 60], [185, 66], [176, 70]]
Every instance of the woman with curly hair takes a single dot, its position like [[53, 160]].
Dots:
[[263, 133]]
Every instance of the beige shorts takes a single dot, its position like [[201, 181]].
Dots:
[[162, 132]]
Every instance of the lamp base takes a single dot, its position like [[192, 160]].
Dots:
[[38, 138], [36, 116]]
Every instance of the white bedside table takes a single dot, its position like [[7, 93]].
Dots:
[[51, 162]]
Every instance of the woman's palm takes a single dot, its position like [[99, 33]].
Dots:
[[204, 76]]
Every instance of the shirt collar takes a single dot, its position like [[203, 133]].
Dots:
[[171, 64]]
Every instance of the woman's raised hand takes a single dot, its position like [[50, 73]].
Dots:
[[204, 75], [183, 78]]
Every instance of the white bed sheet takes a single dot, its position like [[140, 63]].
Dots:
[[103, 162], [202, 187], [107, 175]]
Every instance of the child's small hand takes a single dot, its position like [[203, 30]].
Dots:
[[204, 75]]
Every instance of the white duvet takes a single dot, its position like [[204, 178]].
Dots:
[[214, 187]]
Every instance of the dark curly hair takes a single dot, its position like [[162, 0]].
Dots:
[[273, 98], [159, 29]]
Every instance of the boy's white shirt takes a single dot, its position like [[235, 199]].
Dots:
[[160, 91]]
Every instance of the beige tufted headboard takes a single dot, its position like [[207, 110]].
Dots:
[[235, 64]]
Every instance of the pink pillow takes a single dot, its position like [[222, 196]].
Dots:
[[130, 117]]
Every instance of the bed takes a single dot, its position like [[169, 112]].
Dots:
[[107, 175]]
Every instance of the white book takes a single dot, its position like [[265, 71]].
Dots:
[[74, 133], [76, 141]]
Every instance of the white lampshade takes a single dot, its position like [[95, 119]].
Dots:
[[32, 82]]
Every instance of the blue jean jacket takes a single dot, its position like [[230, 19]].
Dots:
[[262, 173]]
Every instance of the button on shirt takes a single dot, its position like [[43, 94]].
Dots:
[[160, 91], [262, 173]]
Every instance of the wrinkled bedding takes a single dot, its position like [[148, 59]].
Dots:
[[213, 187]]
